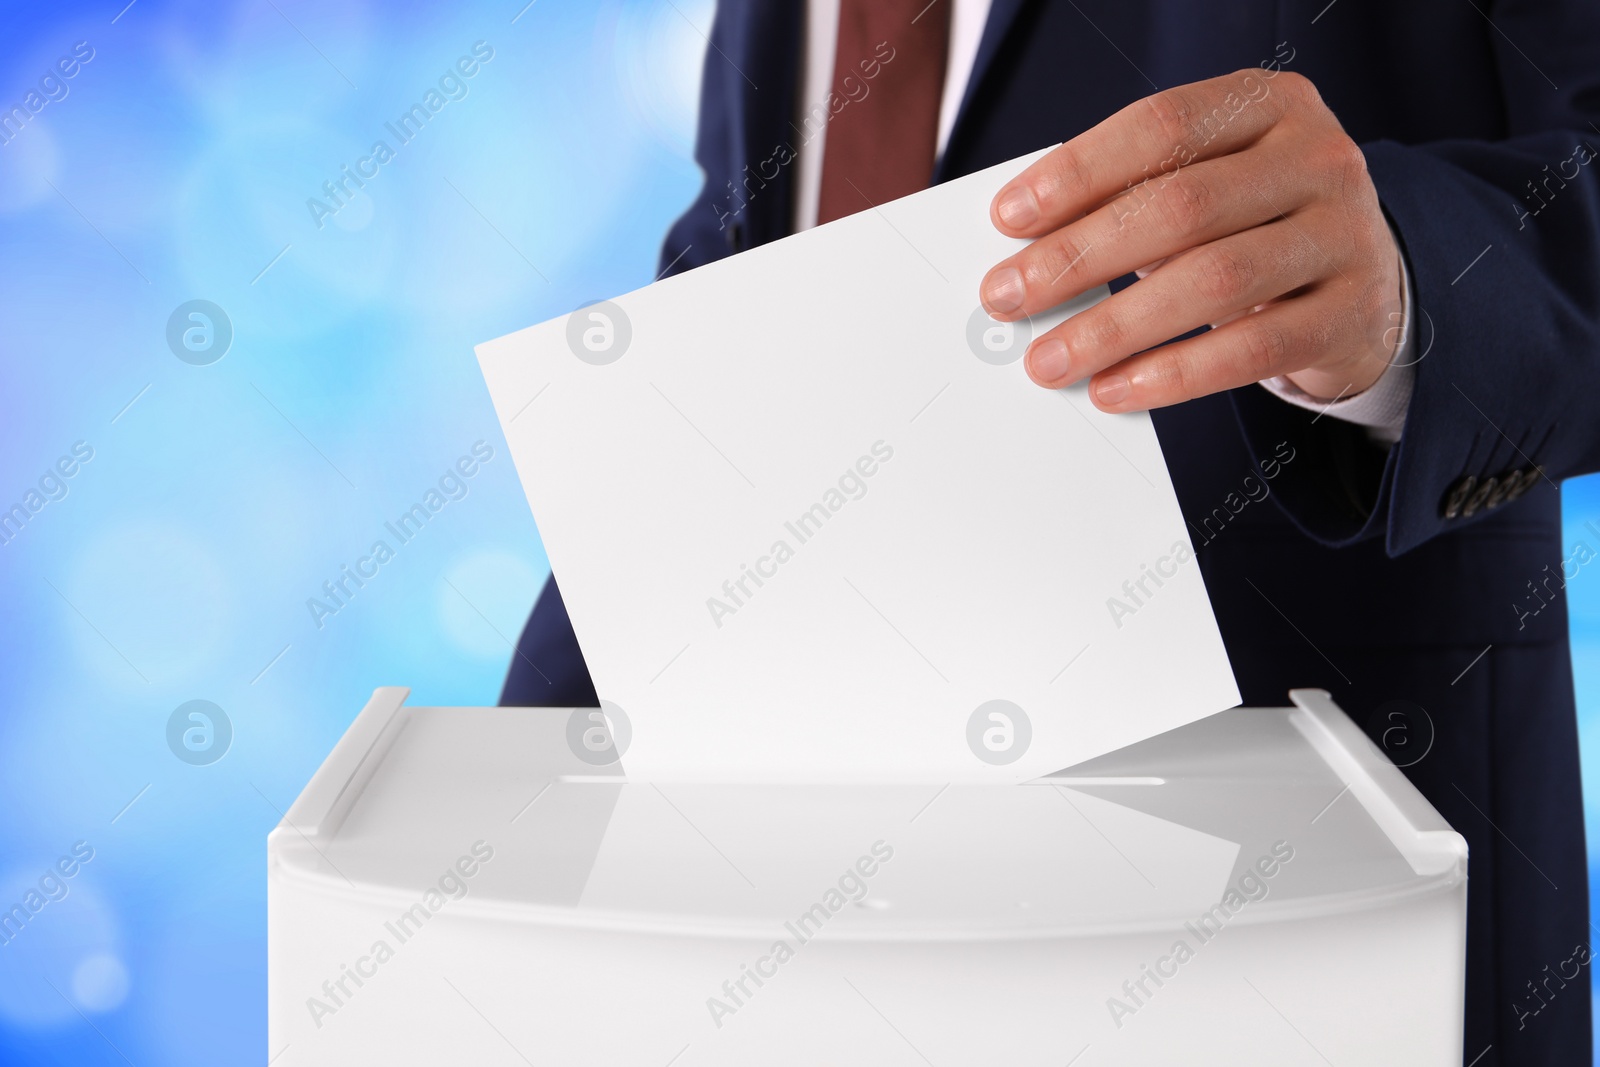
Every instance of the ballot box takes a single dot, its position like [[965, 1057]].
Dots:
[[476, 885]]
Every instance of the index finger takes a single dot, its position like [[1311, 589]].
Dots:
[[1145, 139]]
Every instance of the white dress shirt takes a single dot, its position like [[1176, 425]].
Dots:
[[1381, 408]]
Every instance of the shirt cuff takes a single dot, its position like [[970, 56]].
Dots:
[[1381, 407]]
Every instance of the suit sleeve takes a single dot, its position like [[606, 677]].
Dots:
[[701, 234], [1503, 243], [722, 219]]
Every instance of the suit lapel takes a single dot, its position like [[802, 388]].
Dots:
[[765, 47], [1002, 13]]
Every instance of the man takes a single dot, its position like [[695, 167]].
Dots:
[[1389, 218]]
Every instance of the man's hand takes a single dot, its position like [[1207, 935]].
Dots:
[[1241, 204]]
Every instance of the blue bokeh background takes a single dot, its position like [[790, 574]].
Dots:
[[220, 497]]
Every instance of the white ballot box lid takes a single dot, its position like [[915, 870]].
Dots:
[[1293, 810]]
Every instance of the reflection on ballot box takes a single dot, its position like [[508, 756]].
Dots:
[[468, 885]]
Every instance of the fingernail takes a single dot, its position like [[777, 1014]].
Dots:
[[1018, 208], [1112, 389], [1048, 360], [1003, 290]]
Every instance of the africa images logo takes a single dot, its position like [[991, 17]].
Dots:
[[199, 332], [999, 732], [598, 333], [199, 732]]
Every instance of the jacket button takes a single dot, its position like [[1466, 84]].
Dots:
[[1457, 496], [1529, 478], [1507, 481], [1479, 497]]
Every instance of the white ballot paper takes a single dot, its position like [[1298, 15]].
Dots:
[[812, 521]]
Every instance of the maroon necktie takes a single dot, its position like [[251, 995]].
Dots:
[[888, 66]]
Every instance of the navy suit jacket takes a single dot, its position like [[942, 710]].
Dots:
[[1428, 603]]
